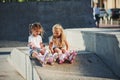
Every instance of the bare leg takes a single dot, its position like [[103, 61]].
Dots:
[[36, 55]]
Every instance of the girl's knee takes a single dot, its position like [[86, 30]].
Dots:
[[63, 51], [34, 54], [57, 50]]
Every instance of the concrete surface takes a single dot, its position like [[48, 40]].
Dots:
[[106, 44], [7, 43], [87, 66], [19, 58], [7, 71]]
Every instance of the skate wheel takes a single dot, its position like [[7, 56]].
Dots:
[[61, 61]]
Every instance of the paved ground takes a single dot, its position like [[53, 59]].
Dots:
[[5, 43], [109, 26], [7, 71], [87, 66], [115, 24]]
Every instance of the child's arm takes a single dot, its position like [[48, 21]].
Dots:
[[50, 47], [67, 45], [31, 45], [42, 45]]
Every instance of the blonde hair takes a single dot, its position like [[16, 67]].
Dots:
[[62, 37], [36, 26]]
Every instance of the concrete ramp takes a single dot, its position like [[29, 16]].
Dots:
[[7, 71], [19, 58], [86, 67]]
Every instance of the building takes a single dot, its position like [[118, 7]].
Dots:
[[107, 4]]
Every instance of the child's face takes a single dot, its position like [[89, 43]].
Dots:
[[57, 32], [36, 32], [39, 31]]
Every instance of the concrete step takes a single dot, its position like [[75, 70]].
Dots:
[[7, 71], [86, 67]]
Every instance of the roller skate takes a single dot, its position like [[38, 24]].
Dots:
[[62, 58], [72, 56], [49, 59], [55, 56]]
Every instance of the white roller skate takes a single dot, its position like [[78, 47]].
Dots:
[[49, 58], [55, 56], [72, 56], [62, 58]]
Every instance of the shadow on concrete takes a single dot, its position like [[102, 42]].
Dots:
[[106, 45], [34, 61], [92, 66], [85, 65], [4, 53]]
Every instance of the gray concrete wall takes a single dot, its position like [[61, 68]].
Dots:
[[108, 48], [106, 44], [15, 17], [20, 60], [75, 39]]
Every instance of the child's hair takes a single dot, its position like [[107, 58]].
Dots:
[[62, 36], [36, 26]]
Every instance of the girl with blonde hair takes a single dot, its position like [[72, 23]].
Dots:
[[59, 45]]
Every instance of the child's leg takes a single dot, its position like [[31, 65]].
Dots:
[[67, 54], [62, 58], [61, 54], [72, 56], [55, 56], [51, 59], [38, 57], [57, 50], [35, 55], [48, 58], [41, 57]]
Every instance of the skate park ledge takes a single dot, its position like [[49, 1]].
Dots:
[[103, 42]]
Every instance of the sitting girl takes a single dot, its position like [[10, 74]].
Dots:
[[59, 45], [37, 48]]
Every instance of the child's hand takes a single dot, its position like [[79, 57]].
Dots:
[[52, 52], [42, 45], [42, 51], [63, 51], [33, 47]]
